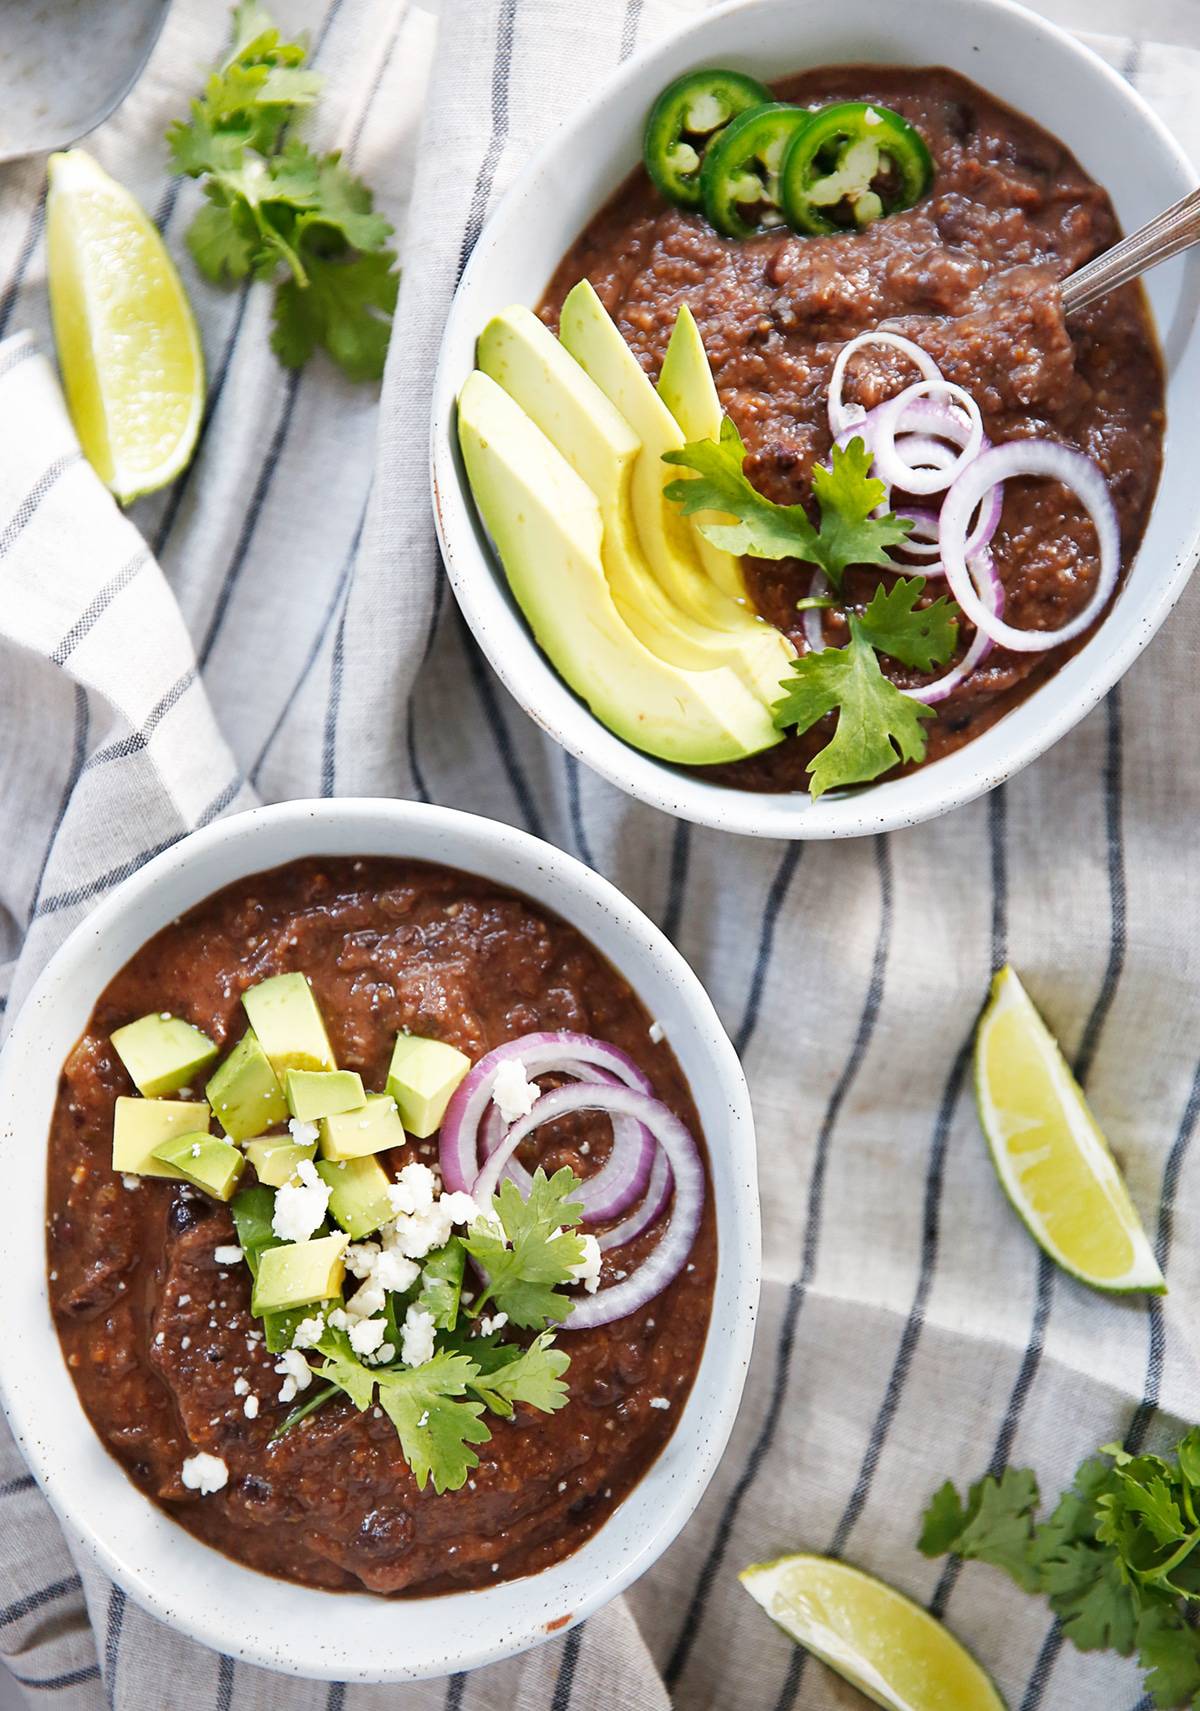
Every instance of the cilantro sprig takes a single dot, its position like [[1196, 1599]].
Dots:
[[276, 210], [846, 495], [529, 1257], [878, 725], [1118, 1558]]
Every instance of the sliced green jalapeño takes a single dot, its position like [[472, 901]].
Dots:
[[684, 121], [850, 164], [740, 175]]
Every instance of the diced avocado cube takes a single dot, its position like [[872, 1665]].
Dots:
[[423, 1076], [162, 1053], [359, 1198], [284, 1015], [245, 1092], [372, 1129], [141, 1125], [206, 1161], [316, 1093], [275, 1160], [297, 1273]]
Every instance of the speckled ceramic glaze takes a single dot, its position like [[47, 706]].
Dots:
[[354, 1636], [1037, 69]]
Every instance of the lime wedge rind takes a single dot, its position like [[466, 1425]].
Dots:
[[1003, 1126], [128, 345], [875, 1638]]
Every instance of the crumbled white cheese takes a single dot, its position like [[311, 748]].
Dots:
[[204, 1473], [183, 1301], [424, 1418], [382, 1355], [492, 1322], [366, 1335], [295, 1373], [185, 1342], [412, 1191], [871, 117], [362, 1258], [460, 1208], [250, 1407], [131, 1182], [230, 1254], [304, 1134], [417, 1234], [195, 1149], [395, 1272], [300, 1207], [587, 1271], [657, 1033], [659, 1402], [308, 1332], [367, 1300], [241, 1387], [513, 1093], [416, 1345]]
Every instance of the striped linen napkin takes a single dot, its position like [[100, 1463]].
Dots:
[[257, 632]]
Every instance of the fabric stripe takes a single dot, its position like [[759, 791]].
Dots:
[[18, 352], [114, 1623], [137, 740], [336, 671], [454, 1692], [761, 1447], [681, 847], [55, 1683], [97, 607], [497, 725], [776, 896], [24, 1482], [78, 756], [575, 809], [92, 888], [501, 68], [335, 1700], [629, 27], [11, 1613], [224, 1683], [32, 235], [566, 1669], [23, 515]]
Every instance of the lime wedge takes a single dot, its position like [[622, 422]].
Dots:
[[1051, 1158], [878, 1640], [127, 340]]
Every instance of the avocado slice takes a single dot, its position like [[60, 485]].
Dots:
[[422, 1078], [298, 1273], [667, 537], [141, 1125], [275, 1159], [358, 1198], [523, 356], [290, 1028], [546, 526], [162, 1053], [245, 1091], [316, 1093], [207, 1161], [687, 388], [372, 1129]]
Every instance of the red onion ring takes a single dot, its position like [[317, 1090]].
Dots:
[[658, 1192], [843, 416], [1055, 463], [889, 420], [540, 1053], [983, 571], [666, 1260]]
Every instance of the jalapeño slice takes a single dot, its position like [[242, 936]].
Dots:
[[852, 163], [688, 115], [740, 175]]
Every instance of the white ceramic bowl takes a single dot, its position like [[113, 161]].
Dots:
[[355, 1636], [1037, 69]]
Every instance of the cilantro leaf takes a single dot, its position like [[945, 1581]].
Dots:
[[944, 1519], [1169, 1651], [341, 1366], [332, 195], [532, 1257], [1096, 1609], [845, 492], [878, 725], [534, 1376], [441, 1284], [346, 308], [222, 248], [918, 636], [435, 1427], [995, 1525]]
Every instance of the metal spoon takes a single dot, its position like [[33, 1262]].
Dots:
[[1174, 230], [67, 64]]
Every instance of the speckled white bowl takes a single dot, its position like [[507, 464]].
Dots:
[[354, 1636], [1035, 67]]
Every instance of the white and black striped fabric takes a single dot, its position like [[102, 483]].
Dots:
[[259, 631]]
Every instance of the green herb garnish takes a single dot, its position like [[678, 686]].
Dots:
[[276, 208], [1117, 1559], [530, 1256]]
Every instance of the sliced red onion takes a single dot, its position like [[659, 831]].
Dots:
[[842, 416], [541, 1054], [622, 1179], [894, 416], [923, 540], [666, 1259], [1054, 463], [991, 589], [658, 1192]]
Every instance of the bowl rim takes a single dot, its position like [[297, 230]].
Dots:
[[475, 845], [534, 683]]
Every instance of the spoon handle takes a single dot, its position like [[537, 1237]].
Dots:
[[1177, 228]]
